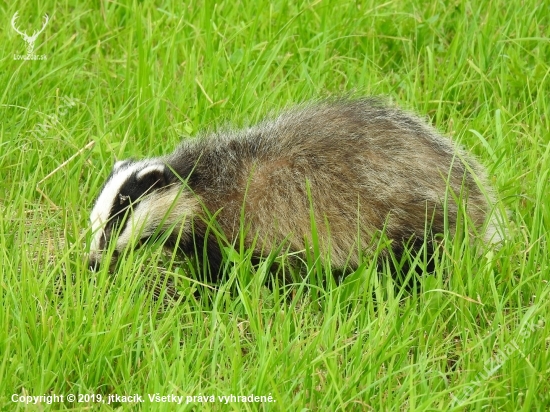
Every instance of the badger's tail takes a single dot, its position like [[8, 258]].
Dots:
[[495, 228]]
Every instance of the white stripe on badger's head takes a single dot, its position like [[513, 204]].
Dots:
[[137, 197]]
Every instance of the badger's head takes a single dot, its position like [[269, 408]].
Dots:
[[139, 199]]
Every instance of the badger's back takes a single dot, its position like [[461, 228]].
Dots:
[[359, 166]]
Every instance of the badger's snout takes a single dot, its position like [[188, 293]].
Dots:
[[93, 264], [96, 260]]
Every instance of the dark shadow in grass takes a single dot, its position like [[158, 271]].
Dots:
[[280, 272]]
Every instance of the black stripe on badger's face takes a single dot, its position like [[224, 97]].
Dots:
[[125, 194]]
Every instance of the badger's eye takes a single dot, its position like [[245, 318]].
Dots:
[[122, 199]]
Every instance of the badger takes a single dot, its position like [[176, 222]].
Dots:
[[346, 168]]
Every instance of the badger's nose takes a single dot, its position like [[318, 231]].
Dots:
[[93, 264], [94, 260]]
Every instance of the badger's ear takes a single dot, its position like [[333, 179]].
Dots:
[[119, 164], [122, 163], [154, 176]]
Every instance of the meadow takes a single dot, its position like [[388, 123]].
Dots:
[[117, 79]]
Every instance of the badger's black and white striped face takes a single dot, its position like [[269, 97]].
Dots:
[[134, 201]]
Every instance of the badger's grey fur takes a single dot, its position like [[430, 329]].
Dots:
[[366, 167]]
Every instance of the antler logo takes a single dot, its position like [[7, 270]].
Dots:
[[30, 40]]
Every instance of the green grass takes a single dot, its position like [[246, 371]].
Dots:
[[130, 78]]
